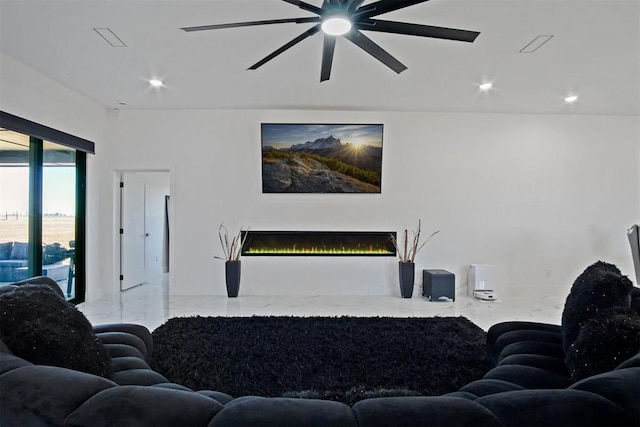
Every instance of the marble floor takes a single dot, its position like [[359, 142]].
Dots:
[[150, 304]]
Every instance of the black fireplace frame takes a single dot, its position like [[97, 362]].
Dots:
[[327, 243]]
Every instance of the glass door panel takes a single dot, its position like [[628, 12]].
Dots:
[[42, 206], [14, 206], [59, 215]]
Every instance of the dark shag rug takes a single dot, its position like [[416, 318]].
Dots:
[[338, 358]]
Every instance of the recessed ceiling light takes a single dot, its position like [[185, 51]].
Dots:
[[336, 25], [485, 86], [156, 83], [571, 98]]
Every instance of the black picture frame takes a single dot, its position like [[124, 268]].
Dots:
[[322, 157]]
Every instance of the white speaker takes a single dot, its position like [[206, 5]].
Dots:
[[481, 281]]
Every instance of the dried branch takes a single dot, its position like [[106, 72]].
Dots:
[[407, 253], [405, 246], [231, 248]]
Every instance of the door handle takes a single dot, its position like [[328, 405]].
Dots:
[[147, 234]]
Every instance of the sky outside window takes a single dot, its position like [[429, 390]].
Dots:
[[58, 198]]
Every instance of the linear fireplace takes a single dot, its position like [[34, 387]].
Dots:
[[318, 243]]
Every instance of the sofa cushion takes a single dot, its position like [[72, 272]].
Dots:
[[555, 408], [142, 406], [522, 336], [123, 338], [632, 362], [41, 327], [50, 392], [620, 386], [603, 343], [13, 263], [548, 363], [142, 376], [19, 251], [126, 363], [9, 361], [528, 377], [283, 412], [5, 250], [488, 386], [423, 411], [130, 328], [600, 287]]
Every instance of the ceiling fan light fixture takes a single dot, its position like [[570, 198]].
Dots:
[[336, 25], [347, 18]]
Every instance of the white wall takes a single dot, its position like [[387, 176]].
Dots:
[[32, 96], [529, 193], [539, 196]]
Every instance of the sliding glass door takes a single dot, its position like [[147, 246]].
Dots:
[[14, 206], [41, 211], [59, 214]]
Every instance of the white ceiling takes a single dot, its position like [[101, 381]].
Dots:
[[595, 53]]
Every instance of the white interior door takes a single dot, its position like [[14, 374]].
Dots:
[[133, 235]]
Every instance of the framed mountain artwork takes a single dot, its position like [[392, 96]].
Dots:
[[321, 158]]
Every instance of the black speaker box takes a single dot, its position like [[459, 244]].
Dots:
[[438, 283]]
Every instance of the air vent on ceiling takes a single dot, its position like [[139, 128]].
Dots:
[[110, 37], [536, 44]]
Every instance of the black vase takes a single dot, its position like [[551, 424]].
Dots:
[[232, 275], [407, 277]]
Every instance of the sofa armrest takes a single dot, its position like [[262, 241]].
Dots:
[[124, 338], [502, 334], [128, 328]]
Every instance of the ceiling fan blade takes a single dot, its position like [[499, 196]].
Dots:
[[252, 23], [374, 50], [418, 30], [384, 6], [327, 56], [311, 31], [305, 6], [354, 5]]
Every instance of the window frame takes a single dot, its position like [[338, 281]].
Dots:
[[37, 135]]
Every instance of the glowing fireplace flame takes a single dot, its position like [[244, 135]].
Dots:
[[319, 251], [320, 243]]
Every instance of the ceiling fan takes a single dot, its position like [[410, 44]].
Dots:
[[348, 18]]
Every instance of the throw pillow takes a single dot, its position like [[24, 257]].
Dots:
[[603, 343], [19, 250], [600, 287], [5, 250], [41, 327]]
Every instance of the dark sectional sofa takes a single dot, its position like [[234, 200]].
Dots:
[[530, 385]]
